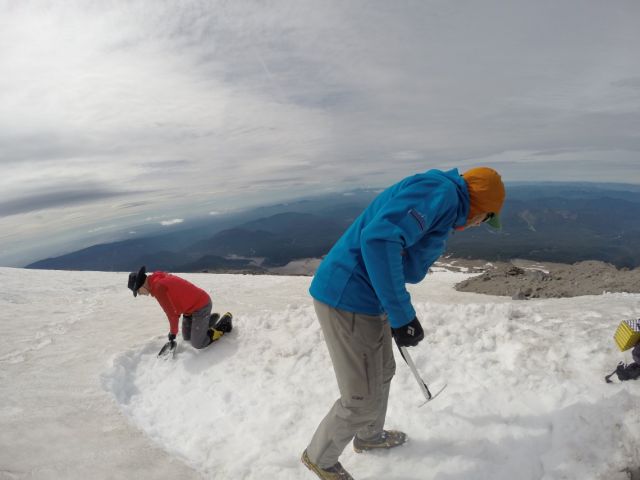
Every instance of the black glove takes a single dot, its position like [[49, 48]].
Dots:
[[408, 335], [628, 372]]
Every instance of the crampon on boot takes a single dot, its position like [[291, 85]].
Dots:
[[336, 472], [387, 439]]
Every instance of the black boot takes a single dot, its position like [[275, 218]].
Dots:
[[213, 319], [222, 326], [225, 324]]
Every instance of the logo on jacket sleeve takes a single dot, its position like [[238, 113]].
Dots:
[[417, 216]]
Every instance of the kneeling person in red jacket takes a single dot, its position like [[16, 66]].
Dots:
[[178, 297]]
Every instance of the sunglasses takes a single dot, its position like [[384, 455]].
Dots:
[[488, 217]]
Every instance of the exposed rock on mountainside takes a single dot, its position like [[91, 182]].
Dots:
[[522, 280]]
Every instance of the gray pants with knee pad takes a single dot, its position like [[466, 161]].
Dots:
[[360, 347], [195, 327]]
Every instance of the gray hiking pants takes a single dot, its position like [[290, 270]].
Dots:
[[360, 347], [195, 327]]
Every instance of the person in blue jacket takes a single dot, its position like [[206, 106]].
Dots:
[[361, 300]]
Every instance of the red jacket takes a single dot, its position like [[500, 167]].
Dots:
[[176, 296]]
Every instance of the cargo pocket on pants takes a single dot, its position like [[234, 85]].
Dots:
[[365, 358]]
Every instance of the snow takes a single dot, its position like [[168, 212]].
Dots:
[[84, 395]]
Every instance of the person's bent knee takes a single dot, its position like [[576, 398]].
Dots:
[[358, 410]]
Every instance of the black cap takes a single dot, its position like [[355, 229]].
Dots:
[[136, 280]]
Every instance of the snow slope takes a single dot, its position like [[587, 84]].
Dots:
[[84, 396]]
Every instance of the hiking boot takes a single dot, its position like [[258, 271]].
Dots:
[[225, 324], [213, 319], [222, 326], [332, 473], [387, 439]]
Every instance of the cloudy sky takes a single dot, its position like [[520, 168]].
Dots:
[[115, 114]]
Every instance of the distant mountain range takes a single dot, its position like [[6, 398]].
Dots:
[[563, 223], [559, 222]]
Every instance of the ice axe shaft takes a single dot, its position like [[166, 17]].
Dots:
[[423, 386]]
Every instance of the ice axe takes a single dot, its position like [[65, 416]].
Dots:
[[421, 383], [168, 350]]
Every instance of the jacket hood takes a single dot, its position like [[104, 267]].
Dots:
[[464, 201], [154, 278]]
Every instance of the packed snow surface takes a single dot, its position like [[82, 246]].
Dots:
[[84, 395]]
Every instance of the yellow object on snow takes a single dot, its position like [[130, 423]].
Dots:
[[627, 334], [216, 334]]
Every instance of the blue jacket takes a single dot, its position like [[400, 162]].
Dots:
[[393, 242]]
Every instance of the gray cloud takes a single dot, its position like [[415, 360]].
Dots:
[[633, 83], [38, 201], [125, 206], [167, 165]]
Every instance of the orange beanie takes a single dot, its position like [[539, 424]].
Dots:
[[486, 191]]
